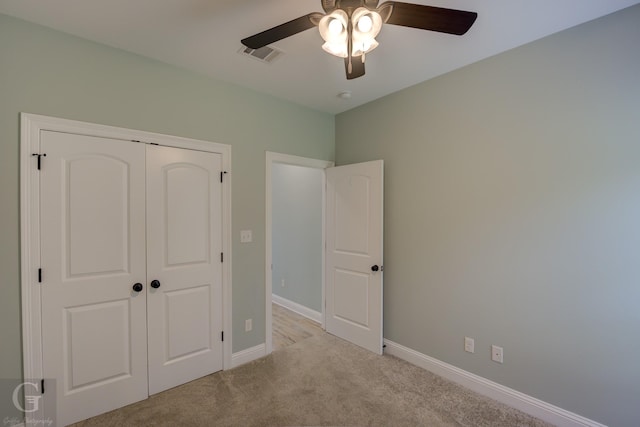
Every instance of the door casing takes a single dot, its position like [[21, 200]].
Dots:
[[31, 127]]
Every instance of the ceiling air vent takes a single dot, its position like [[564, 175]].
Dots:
[[264, 54]]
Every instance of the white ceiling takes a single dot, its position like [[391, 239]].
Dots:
[[204, 36]]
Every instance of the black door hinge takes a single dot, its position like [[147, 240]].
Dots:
[[40, 156], [222, 175], [42, 386], [39, 275], [221, 256], [222, 335]]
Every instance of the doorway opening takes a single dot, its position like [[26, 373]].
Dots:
[[295, 242]]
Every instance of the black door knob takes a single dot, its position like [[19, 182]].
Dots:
[[375, 268], [155, 284], [137, 287]]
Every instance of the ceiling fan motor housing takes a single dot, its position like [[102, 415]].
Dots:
[[348, 5]]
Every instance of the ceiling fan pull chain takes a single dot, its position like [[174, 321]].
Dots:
[[350, 46]]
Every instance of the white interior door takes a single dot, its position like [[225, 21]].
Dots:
[[94, 332], [184, 229], [354, 253]]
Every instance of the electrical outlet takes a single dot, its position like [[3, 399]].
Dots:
[[497, 354], [469, 345], [246, 236], [282, 283], [248, 325]]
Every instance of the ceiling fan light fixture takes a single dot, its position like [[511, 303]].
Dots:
[[349, 27], [366, 21], [335, 49], [336, 29], [333, 27], [366, 27]]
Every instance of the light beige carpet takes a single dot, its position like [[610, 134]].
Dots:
[[320, 381]]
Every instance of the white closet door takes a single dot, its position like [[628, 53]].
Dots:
[[93, 252], [184, 229]]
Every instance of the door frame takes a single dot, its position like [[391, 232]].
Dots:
[[287, 159], [31, 126]]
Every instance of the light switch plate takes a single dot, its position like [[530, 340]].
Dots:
[[469, 345]]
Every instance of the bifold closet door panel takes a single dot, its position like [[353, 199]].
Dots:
[[94, 330], [184, 265]]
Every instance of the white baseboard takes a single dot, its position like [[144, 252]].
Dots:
[[248, 355], [525, 403], [297, 308]]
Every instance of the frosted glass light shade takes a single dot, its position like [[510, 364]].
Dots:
[[336, 49], [333, 29], [366, 26]]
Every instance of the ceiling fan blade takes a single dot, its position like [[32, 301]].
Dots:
[[357, 67], [282, 31], [431, 18]]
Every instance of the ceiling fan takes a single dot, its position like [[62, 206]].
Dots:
[[349, 27]]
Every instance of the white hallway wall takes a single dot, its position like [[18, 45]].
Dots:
[[297, 234]]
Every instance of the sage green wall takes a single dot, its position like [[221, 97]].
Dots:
[[47, 72], [512, 215], [297, 234]]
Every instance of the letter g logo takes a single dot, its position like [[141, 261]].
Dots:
[[30, 400]]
